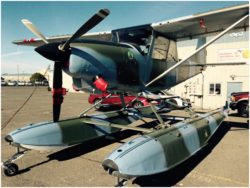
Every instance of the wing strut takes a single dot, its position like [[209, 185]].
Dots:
[[84, 112], [198, 50], [156, 114]]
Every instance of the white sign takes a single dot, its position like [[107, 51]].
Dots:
[[238, 34], [233, 55]]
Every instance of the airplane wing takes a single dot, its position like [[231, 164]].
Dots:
[[203, 24], [105, 36], [228, 20], [184, 28]]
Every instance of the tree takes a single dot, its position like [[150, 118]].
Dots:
[[37, 76]]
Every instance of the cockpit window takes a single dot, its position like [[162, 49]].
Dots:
[[139, 37]]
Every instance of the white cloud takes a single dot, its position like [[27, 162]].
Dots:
[[13, 54]]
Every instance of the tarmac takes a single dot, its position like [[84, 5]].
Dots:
[[223, 163]]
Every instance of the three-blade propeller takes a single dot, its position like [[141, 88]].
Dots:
[[60, 52]]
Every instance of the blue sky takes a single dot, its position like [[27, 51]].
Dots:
[[58, 18]]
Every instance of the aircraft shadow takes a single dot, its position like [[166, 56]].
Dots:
[[237, 115], [238, 126], [83, 148], [173, 176], [234, 114], [89, 146]]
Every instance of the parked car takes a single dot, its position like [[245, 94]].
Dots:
[[45, 83], [12, 83], [240, 101], [115, 100], [38, 83], [41, 83], [173, 99], [29, 84], [3, 83], [21, 83]]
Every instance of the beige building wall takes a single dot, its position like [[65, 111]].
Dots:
[[197, 89], [67, 82], [16, 77], [22, 77]]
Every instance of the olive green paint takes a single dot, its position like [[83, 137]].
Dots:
[[127, 67], [116, 53], [158, 67], [203, 130], [75, 131], [218, 117], [175, 149], [173, 144]]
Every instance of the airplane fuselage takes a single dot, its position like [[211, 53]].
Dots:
[[122, 66]]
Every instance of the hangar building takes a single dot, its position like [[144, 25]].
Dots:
[[17, 77], [211, 89]]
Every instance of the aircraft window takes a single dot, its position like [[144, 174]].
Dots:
[[139, 38], [165, 49], [172, 52], [160, 48]]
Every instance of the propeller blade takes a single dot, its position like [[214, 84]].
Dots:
[[92, 22], [56, 112], [57, 86], [34, 30]]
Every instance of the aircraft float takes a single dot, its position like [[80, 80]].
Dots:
[[136, 59]]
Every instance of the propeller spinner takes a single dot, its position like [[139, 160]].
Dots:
[[60, 52]]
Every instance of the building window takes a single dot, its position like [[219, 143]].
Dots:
[[215, 89]]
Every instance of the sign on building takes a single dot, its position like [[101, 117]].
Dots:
[[233, 55]]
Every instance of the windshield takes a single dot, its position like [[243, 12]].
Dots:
[[139, 37]]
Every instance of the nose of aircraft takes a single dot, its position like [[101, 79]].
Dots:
[[141, 156], [110, 166], [51, 51], [8, 138]]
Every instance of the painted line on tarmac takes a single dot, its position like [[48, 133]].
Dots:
[[221, 178], [92, 160]]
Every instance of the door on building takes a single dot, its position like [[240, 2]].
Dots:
[[233, 87]]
